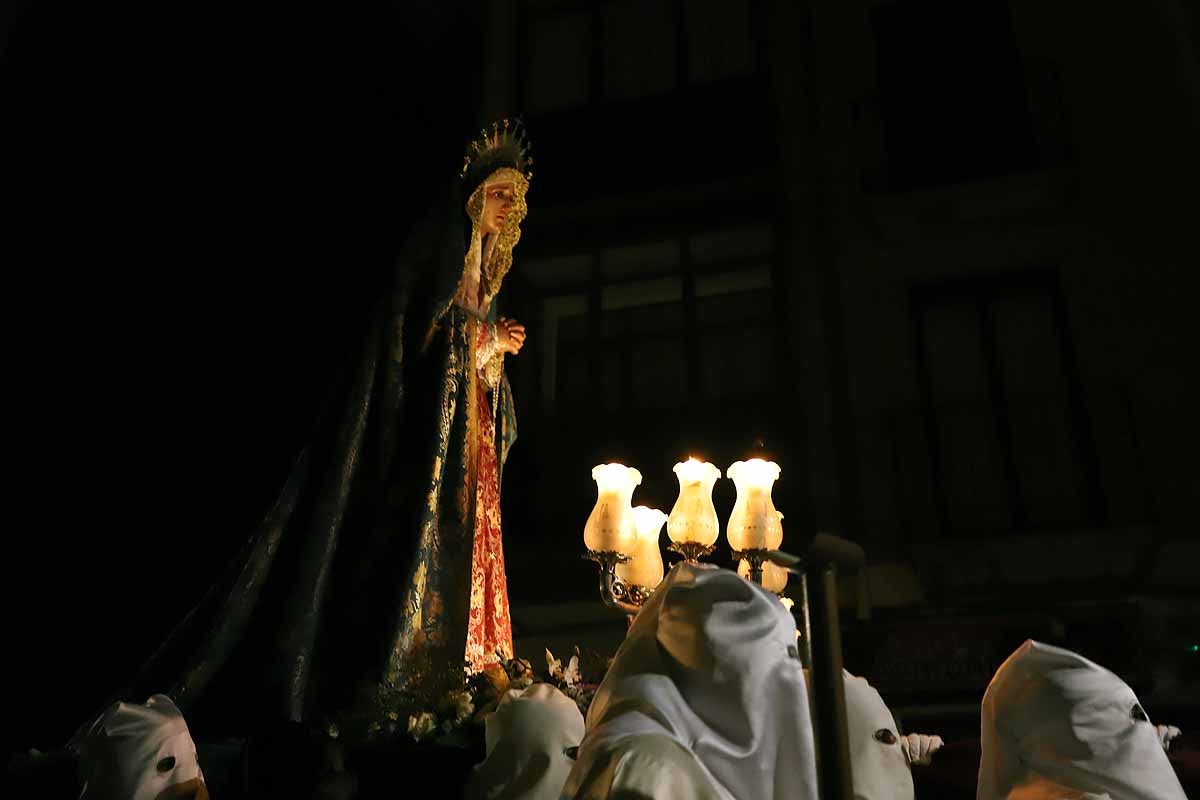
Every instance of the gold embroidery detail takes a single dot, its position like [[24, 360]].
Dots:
[[419, 596]]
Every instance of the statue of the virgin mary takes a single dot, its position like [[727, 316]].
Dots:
[[377, 579]]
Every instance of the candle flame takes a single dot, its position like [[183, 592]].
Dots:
[[615, 476], [755, 471], [693, 471], [648, 521]]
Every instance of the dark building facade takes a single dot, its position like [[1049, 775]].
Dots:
[[933, 259]]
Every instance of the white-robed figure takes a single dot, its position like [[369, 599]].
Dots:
[[705, 699], [530, 740], [1056, 725], [140, 752], [880, 758]]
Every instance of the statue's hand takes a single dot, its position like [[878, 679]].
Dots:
[[510, 335], [919, 748]]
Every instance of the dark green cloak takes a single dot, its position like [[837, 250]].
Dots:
[[349, 603]]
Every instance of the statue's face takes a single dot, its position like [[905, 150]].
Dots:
[[497, 202]]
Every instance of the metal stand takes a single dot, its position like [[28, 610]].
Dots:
[[614, 592], [756, 558], [819, 601], [691, 551]]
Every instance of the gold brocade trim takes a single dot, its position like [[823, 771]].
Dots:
[[496, 266], [472, 389], [495, 375], [492, 369]]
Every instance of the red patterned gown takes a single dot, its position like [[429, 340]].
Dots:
[[490, 627]]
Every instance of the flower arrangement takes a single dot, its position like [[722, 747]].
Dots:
[[580, 678], [467, 705], [465, 708]]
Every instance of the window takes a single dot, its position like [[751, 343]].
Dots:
[[642, 344], [637, 42], [559, 61], [734, 313], [671, 315], [718, 39], [952, 94], [1049, 111], [564, 335], [578, 51], [1005, 420], [640, 260]]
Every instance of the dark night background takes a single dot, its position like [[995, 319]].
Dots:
[[206, 200], [937, 259]]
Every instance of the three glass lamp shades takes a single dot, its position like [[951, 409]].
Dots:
[[623, 539]]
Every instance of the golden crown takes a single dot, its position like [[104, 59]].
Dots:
[[503, 145]]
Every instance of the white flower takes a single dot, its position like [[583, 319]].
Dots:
[[571, 675], [463, 706], [554, 666], [421, 725], [567, 677]]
